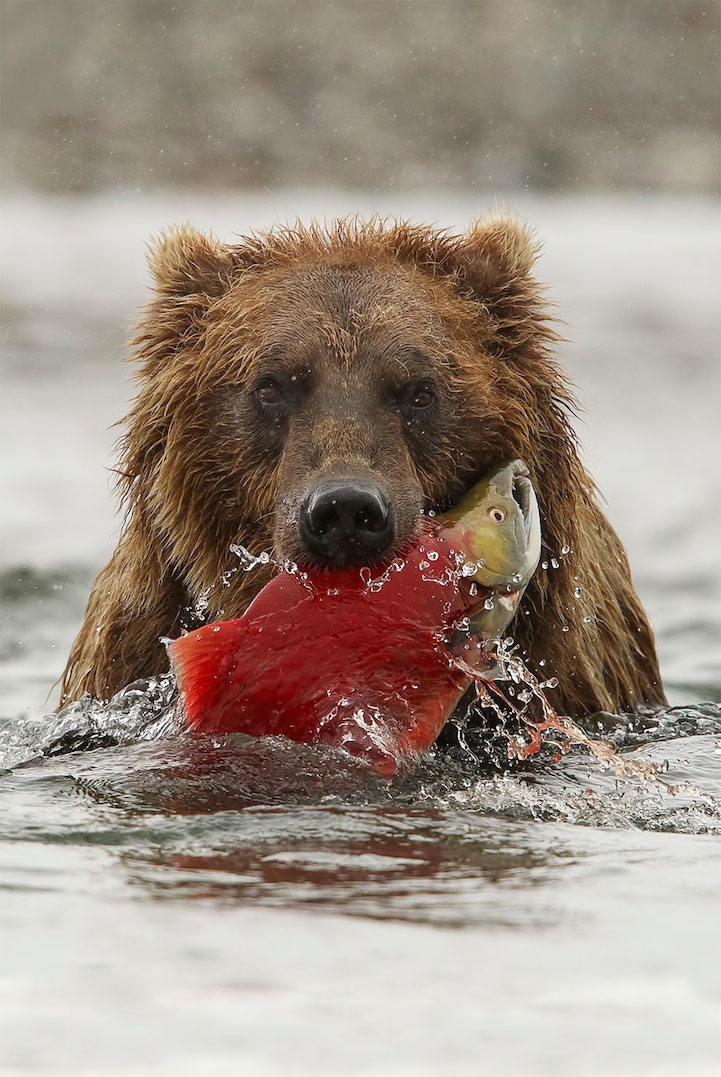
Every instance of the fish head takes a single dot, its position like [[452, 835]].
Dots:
[[497, 525]]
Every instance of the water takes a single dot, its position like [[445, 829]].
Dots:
[[179, 906]]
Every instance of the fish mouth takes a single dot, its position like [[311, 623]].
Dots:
[[525, 498], [515, 483]]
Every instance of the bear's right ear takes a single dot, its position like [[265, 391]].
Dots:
[[185, 262], [190, 270]]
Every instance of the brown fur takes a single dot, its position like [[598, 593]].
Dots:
[[353, 310]]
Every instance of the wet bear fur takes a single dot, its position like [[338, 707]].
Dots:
[[349, 319]]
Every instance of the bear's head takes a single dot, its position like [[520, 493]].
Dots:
[[317, 389], [314, 391]]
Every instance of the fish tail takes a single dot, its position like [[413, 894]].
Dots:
[[203, 662]]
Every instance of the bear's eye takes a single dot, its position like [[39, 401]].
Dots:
[[269, 392], [419, 395], [496, 514]]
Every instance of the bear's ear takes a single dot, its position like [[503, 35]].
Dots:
[[190, 270], [495, 258], [185, 262], [494, 262]]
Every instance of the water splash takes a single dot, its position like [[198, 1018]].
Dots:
[[502, 697], [301, 575], [374, 584], [249, 561], [196, 614], [144, 710], [199, 610]]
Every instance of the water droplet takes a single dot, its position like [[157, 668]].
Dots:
[[517, 577], [577, 592], [564, 628], [469, 569], [202, 604], [544, 564], [432, 555], [587, 620], [247, 559], [554, 562], [542, 662], [565, 550], [489, 603]]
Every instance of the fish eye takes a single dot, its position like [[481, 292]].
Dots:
[[497, 514]]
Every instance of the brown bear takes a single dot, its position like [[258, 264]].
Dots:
[[315, 390]]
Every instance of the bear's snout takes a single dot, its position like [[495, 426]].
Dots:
[[346, 522]]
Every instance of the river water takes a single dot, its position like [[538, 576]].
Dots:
[[176, 906]]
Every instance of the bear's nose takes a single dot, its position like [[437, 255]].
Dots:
[[346, 523]]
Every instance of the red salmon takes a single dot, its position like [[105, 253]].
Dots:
[[360, 658]]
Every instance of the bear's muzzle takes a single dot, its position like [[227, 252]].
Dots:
[[346, 522]]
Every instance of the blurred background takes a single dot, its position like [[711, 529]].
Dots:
[[596, 120], [511, 94]]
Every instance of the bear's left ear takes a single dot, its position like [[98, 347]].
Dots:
[[185, 262], [494, 262], [495, 258]]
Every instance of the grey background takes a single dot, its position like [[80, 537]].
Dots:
[[369, 94]]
